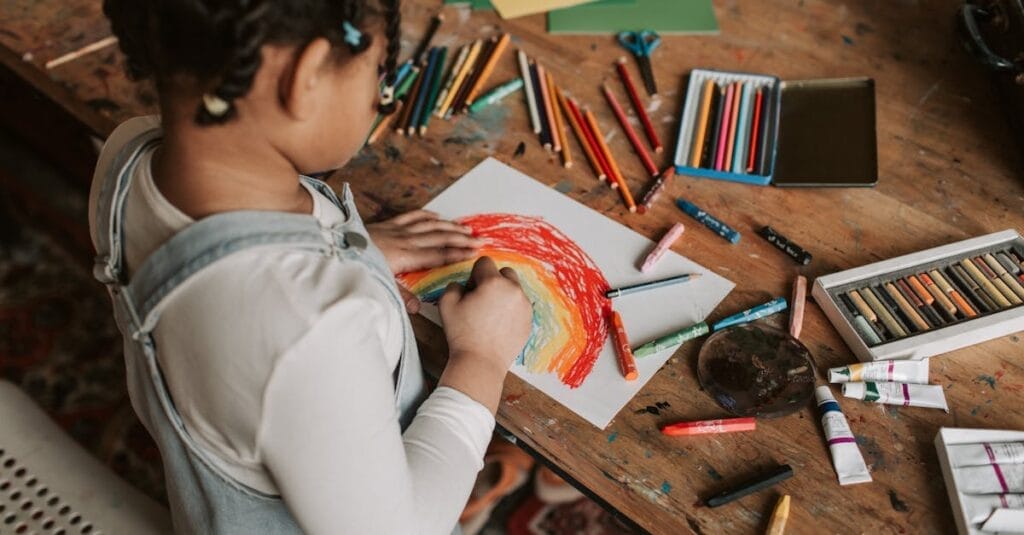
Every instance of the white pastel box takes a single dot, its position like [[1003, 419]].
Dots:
[[1002, 520], [956, 335]]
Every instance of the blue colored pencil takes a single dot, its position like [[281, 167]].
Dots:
[[421, 97], [739, 157]]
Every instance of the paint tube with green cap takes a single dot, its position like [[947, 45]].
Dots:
[[671, 340], [980, 506], [899, 371], [908, 395]]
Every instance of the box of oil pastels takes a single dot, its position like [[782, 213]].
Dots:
[[930, 302], [984, 473], [757, 129]]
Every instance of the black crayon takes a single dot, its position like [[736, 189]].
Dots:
[[794, 251], [763, 481]]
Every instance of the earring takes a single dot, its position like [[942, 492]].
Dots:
[[215, 105], [357, 42]]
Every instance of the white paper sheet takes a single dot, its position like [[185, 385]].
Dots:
[[493, 187]]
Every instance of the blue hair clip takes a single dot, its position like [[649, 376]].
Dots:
[[354, 38]]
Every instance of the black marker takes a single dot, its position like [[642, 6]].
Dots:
[[783, 244], [778, 474]]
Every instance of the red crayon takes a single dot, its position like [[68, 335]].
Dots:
[[627, 364], [705, 427]]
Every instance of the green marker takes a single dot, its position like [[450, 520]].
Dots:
[[671, 340], [496, 94]]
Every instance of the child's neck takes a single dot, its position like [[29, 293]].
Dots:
[[205, 170]]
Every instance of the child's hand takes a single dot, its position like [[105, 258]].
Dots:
[[486, 324], [420, 240]]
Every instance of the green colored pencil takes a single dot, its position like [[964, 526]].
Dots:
[[435, 89]]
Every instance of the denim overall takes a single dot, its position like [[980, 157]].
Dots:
[[203, 499]]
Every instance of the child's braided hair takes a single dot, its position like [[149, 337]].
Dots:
[[217, 42]]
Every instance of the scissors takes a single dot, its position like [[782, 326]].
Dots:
[[641, 44]]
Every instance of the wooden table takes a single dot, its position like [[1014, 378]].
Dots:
[[948, 171]]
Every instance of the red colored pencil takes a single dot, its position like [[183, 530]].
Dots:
[[634, 139], [758, 99], [606, 170], [638, 105]]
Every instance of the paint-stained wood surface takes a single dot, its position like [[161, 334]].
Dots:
[[948, 171]]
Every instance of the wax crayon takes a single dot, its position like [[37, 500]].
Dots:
[[716, 226]]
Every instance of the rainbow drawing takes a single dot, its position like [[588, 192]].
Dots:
[[563, 283]]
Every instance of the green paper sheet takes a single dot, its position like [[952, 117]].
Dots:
[[662, 16]]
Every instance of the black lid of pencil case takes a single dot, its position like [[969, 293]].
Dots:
[[826, 134]]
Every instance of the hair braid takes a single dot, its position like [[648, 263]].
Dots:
[[129, 20], [392, 32], [245, 33]]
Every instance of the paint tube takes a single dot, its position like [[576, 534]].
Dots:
[[980, 506], [991, 479], [908, 395], [899, 371], [983, 453], [846, 456]]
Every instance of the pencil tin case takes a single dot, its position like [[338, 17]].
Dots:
[[976, 514], [803, 133], [900, 284]]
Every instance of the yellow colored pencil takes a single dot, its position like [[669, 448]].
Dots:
[[623, 188], [488, 68], [460, 78], [559, 122], [777, 525], [702, 124]]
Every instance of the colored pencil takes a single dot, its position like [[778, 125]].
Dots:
[[460, 78], [796, 317], [488, 67], [581, 136], [542, 113], [471, 77], [755, 130], [435, 89], [723, 127], [384, 123], [606, 169], [656, 188], [650, 285], [421, 97], [545, 96], [697, 147], [403, 121], [531, 99], [768, 110], [734, 120], [634, 139], [739, 155], [627, 364], [638, 106], [627, 197], [85, 50], [563, 139], [453, 73], [715, 126], [421, 49]]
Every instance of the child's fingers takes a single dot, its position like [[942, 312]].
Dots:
[[451, 296], [431, 225], [444, 239], [412, 217], [412, 303], [509, 274], [483, 269]]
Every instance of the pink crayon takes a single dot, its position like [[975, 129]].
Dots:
[[659, 251], [796, 318]]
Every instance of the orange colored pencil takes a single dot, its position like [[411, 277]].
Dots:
[[581, 136], [634, 139], [546, 96], [616, 174], [563, 140], [485, 73], [385, 123]]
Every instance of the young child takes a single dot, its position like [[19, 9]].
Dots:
[[266, 345]]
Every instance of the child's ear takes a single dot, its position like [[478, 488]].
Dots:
[[299, 84]]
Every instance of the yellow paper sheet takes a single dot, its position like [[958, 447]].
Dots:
[[510, 9]]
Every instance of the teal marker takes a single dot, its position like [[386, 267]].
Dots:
[[760, 311], [496, 94], [671, 340]]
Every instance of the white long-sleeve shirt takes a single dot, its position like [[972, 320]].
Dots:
[[281, 365]]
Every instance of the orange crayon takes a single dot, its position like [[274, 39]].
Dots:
[[627, 364]]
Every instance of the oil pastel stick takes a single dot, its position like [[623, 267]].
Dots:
[[796, 317], [627, 364], [891, 323], [864, 328], [662, 247], [994, 279], [940, 296], [760, 311], [969, 288], [761, 482], [671, 340], [985, 284], [955, 297], [794, 251], [709, 427], [708, 221], [1005, 276]]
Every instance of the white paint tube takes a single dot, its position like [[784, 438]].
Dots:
[[991, 479], [846, 457], [983, 453], [908, 395], [980, 506], [897, 371]]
